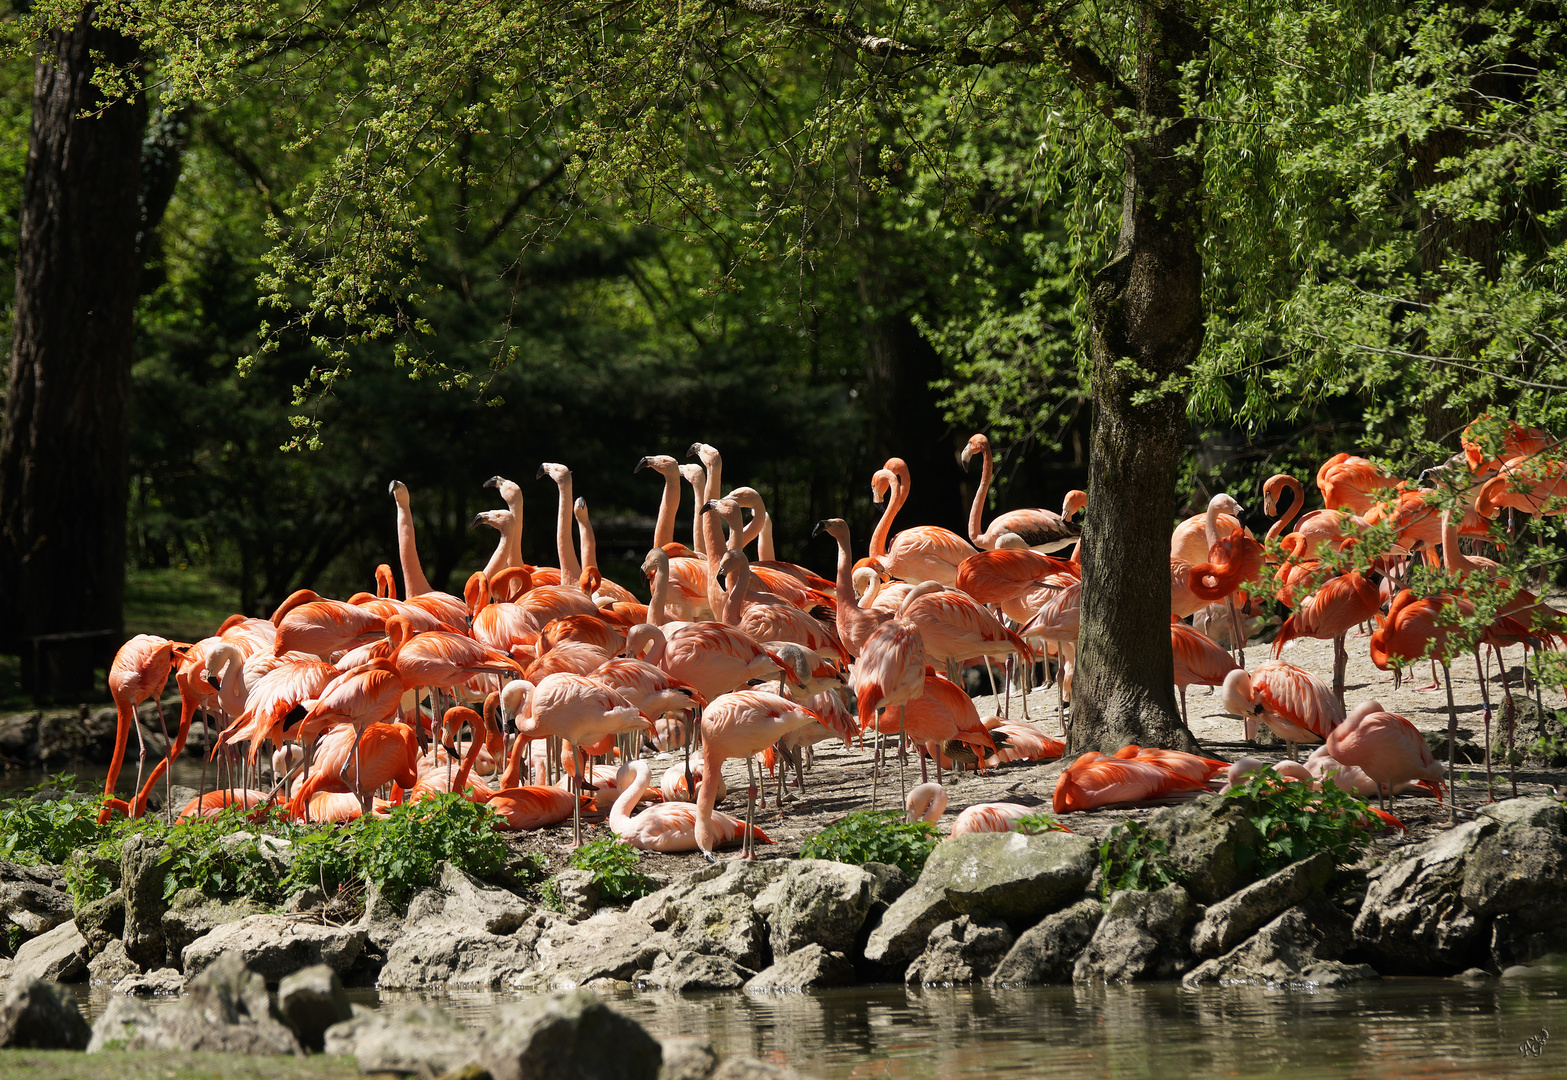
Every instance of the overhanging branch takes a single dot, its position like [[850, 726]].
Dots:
[[1091, 74]]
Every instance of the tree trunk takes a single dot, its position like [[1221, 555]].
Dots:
[[63, 450], [1146, 318]]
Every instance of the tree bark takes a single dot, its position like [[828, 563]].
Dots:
[[63, 479], [1146, 317]]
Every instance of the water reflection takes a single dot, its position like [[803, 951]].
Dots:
[[1413, 1028]]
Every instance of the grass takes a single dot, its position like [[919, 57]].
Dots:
[[168, 1065], [186, 605]]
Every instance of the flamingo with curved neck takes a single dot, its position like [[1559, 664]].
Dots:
[[1278, 484], [1041, 530]]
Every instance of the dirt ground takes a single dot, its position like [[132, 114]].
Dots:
[[841, 780]]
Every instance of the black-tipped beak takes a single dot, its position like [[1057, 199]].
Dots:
[[710, 504], [642, 463], [820, 525], [214, 682], [1243, 516], [540, 475], [493, 482], [476, 522], [510, 726], [692, 451]]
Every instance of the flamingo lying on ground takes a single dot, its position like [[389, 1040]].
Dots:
[[1096, 780], [667, 826]]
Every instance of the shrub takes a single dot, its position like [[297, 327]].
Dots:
[[1042, 822], [1129, 858], [1297, 822], [875, 836], [614, 868], [48, 830]]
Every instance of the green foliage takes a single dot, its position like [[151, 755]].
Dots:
[[221, 855], [874, 836], [1129, 858], [614, 868], [1042, 822], [1297, 822], [47, 830]]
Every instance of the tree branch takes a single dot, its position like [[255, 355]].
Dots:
[[522, 200], [1091, 74], [247, 165]]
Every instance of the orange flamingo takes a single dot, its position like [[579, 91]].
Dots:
[[1005, 574], [941, 712], [137, 807], [139, 672], [1338, 606], [667, 827], [1388, 749], [214, 803], [1487, 449], [739, 725], [1293, 702], [1531, 483], [1041, 530], [952, 626], [855, 623], [1096, 780], [1349, 481], [921, 553], [276, 695], [310, 624], [766, 617], [1199, 660]]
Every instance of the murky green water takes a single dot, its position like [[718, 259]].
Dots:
[[1404, 1028]]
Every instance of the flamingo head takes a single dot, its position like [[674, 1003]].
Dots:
[[926, 802], [399, 491], [499, 520], [881, 483], [837, 528], [977, 444], [1237, 694], [516, 696], [657, 561], [1076, 499], [659, 463], [556, 472]]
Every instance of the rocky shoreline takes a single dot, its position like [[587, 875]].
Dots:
[[1011, 909]]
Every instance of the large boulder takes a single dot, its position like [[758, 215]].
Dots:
[[1522, 864], [688, 971], [1297, 950], [225, 1009], [809, 968], [1142, 936], [572, 1036], [613, 945], [159, 982], [58, 956], [277, 945], [383, 922], [962, 950], [457, 897], [111, 965], [460, 957], [102, 921], [687, 1057], [817, 902], [1234, 919], [421, 1040], [142, 873], [1014, 877], [33, 907], [1212, 845], [311, 1001], [713, 911], [41, 1016], [1413, 919], [1047, 951], [192, 914]]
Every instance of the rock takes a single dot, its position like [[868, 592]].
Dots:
[[311, 1001], [102, 921], [1413, 919], [1046, 952], [84, 863], [1212, 845], [741, 1067], [960, 951], [572, 1036], [419, 1040], [451, 955], [277, 945], [457, 897], [611, 945], [111, 965], [1142, 936], [689, 971], [192, 914], [1014, 877], [276, 852], [307, 899], [808, 968], [818, 902], [382, 921], [79, 736], [1526, 936], [225, 1009], [1473, 975], [41, 1016], [159, 981], [1522, 864], [1297, 950], [687, 1058], [888, 882], [712, 911], [578, 893], [19, 737], [1232, 920], [33, 907], [58, 956], [141, 882]]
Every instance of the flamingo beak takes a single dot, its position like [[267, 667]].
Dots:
[[642, 463]]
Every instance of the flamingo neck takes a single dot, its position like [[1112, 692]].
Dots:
[[570, 569], [414, 582], [844, 585], [734, 597], [664, 529], [1292, 511], [713, 464], [697, 477], [590, 550], [895, 498], [656, 613], [620, 812], [976, 512]]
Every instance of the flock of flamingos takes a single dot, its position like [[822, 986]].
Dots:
[[364, 702]]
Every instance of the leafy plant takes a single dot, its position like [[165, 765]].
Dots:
[[1297, 822], [614, 868], [221, 856], [1129, 858], [874, 836], [1042, 822], [47, 830]]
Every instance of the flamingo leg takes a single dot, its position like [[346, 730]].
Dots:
[[576, 803], [1006, 711], [746, 849], [902, 787], [1452, 742], [1340, 662], [1235, 629]]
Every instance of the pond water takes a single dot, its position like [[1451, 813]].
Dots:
[[1408, 1028]]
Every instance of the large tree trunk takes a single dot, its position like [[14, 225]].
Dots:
[[1147, 324], [63, 449]]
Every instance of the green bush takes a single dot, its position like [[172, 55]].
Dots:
[[874, 836], [1129, 858], [1297, 822], [48, 830], [1042, 822], [614, 868]]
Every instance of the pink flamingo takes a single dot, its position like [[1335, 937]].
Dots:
[[1338, 606], [927, 802], [668, 827], [1387, 748], [921, 553], [1293, 702], [1096, 780], [1199, 660], [139, 671], [739, 725], [855, 623], [307, 623], [1041, 530]]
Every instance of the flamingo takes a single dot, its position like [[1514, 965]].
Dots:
[[667, 827], [214, 803], [1387, 748], [927, 802], [379, 753], [673, 784], [953, 626], [1007, 574], [941, 712], [1487, 449], [308, 623], [1339, 605], [1293, 702], [277, 695], [855, 623], [891, 668], [511, 535], [669, 504], [738, 725], [1199, 660], [139, 672], [505, 523], [137, 807], [1096, 780], [1040, 529], [696, 476], [570, 568], [1334, 528], [766, 617], [444, 606], [921, 553], [1349, 481]]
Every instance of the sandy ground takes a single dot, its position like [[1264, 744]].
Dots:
[[841, 780]]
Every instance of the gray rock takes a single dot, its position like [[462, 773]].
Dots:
[[741, 1067], [192, 914], [1523, 863], [35, 908], [383, 922], [311, 1001], [141, 882], [712, 911], [122, 1020], [1212, 844], [58, 956], [420, 1040], [817, 901], [1142, 936], [808, 968], [1526, 936], [888, 882], [1297, 950], [1014, 877], [1047, 951], [1234, 919], [1413, 919], [578, 893], [611, 945], [1473, 975], [687, 971], [306, 899], [225, 1009], [102, 921], [572, 1036], [111, 965], [457, 897], [41, 1016], [156, 983], [277, 945], [449, 954], [19, 736], [961, 951], [687, 1058]]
